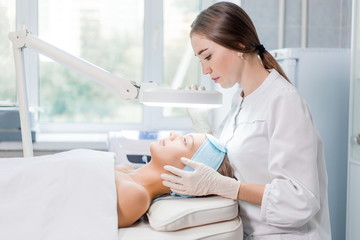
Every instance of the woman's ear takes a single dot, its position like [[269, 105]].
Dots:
[[240, 55]]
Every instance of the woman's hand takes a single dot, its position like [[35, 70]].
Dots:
[[202, 181]]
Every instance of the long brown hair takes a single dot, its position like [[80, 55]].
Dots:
[[226, 168], [228, 25]]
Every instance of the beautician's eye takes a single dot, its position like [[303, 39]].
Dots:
[[208, 57]]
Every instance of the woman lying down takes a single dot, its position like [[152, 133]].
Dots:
[[74, 194], [137, 188]]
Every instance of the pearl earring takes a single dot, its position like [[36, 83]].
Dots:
[[240, 55]]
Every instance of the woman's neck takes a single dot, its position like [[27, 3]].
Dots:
[[254, 75], [148, 176]]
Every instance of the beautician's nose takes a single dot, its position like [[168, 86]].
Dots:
[[206, 69]]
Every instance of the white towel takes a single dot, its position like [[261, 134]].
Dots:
[[70, 195]]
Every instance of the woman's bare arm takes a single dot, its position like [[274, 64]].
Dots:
[[251, 193], [133, 201]]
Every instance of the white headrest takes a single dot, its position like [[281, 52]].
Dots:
[[170, 214]]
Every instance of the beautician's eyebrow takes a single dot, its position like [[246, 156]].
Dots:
[[201, 51]]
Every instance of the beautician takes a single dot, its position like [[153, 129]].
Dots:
[[272, 142]]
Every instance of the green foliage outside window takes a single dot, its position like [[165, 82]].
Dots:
[[7, 69]]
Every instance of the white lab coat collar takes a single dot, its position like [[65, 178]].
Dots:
[[258, 92]]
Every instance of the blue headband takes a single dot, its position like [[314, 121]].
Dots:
[[210, 153]]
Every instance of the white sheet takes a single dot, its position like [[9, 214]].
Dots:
[[70, 195], [226, 230]]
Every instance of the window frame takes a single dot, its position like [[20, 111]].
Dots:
[[153, 119]]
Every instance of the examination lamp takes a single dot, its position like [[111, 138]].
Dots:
[[147, 93]]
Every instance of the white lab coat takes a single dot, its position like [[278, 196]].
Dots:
[[274, 143]]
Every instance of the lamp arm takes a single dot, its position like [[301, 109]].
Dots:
[[23, 100], [147, 93], [126, 89], [23, 38]]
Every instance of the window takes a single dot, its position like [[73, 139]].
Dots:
[[123, 38], [7, 23], [107, 33], [181, 68], [136, 40]]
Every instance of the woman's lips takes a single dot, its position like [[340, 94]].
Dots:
[[215, 79]]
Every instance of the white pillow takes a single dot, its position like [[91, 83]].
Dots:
[[170, 214]]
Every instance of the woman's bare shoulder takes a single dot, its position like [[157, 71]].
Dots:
[[133, 201], [125, 168]]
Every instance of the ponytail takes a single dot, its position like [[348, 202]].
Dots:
[[269, 62]]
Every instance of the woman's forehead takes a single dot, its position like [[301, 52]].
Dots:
[[199, 43], [199, 138]]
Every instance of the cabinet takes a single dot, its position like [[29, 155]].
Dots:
[[353, 188], [353, 230]]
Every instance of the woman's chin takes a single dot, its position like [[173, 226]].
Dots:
[[226, 85], [152, 147]]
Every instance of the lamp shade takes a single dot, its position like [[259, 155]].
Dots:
[[166, 97]]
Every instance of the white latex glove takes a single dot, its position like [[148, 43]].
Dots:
[[199, 116], [202, 181]]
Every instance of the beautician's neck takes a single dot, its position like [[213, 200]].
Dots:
[[149, 177], [254, 75]]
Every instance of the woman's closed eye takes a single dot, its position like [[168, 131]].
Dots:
[[208, 57], [185, 141]]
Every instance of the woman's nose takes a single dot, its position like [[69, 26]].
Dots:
[[205, 68], [173, 135]]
